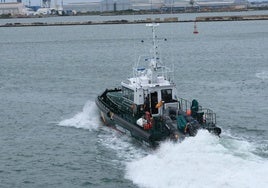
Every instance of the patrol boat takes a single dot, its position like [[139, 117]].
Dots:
[[146, 105]]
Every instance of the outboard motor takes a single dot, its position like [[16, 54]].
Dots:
[[174, 134], [193, 127], [215, 130]]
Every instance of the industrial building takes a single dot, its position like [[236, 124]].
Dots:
[[179, 5], [205, 5], [15, 8], [18, 8]]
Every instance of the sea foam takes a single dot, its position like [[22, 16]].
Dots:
[[201, 161], [87, 119], [262, 75]]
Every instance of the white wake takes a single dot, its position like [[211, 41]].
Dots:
[[87, 119], [203, 161], [262, 75]]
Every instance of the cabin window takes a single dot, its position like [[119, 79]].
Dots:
[[128, 93], [166, 95]]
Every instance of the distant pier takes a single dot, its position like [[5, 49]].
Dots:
[[231, 18], [148, 20]]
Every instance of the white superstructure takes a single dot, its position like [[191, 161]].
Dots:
[[150, 78]]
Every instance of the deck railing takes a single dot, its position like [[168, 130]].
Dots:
[[209, 115]]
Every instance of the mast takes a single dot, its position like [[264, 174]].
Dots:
[[156, 71], [153, 59], [154, 50]]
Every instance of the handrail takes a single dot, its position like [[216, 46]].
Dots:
[[209, 115]]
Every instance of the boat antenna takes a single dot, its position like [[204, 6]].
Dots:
[[154, 59]]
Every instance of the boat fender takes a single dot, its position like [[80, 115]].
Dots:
[[103, 117], [159, 104], [110, 115], [141, 122], [134, 108], [188, 112], [204, 118]]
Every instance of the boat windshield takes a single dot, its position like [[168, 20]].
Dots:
[[128, 93]]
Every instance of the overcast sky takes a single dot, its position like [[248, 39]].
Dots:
[[38, 2]]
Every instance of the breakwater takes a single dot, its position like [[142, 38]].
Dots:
[[231, 18], [148, 20]]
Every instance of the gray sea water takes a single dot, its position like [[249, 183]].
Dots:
[[50, 132]]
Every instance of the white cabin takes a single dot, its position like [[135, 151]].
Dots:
[[151, 83]]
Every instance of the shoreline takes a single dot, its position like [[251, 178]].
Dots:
[[148, 20]]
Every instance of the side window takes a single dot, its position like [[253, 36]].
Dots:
[[166, 95], [128, 93]]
